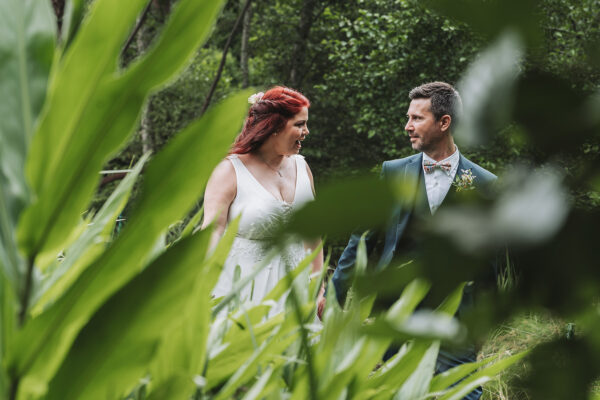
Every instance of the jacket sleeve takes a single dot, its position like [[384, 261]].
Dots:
[[344, 272]]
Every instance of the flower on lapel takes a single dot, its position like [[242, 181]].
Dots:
[[465, 181]]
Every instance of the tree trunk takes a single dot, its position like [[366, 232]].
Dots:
[[244, 50], [307, 17]]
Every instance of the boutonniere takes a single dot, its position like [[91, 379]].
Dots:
[[464, 181]]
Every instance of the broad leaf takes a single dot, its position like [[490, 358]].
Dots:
[[62, 172], [480, 377], [492, 17], [27, 32], [88, 246], [417, 386], [115, 347], [368, 202], [102, 125], [182, 357], [173, 181]]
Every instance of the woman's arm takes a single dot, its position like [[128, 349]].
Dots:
[[221, 190]]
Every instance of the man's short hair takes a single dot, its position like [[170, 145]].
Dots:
[[445, 100]]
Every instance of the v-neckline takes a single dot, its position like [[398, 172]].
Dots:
[[282, 200]]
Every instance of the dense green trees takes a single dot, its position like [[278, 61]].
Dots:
[[357, 61]]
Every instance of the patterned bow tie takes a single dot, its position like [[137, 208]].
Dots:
[[429, 166]]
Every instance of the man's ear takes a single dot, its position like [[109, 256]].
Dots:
[[445, 122]]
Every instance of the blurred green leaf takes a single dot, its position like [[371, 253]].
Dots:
[[70, 144], [395, 371], [482, 376], [27, 32], [421, 324], [116, 345], [551, 109], [72, 17], [183, 356], [487, 91], [532, 207], [367, 202], [453, 375], [452, 302], [173, 181], [493, 17], [417, 385], [110, 114], [88, 246]]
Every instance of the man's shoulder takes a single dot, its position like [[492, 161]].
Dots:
[[394, 165]]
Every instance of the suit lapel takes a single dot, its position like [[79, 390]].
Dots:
[[414, 173], [462, 164]]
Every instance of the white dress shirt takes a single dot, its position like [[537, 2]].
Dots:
[[439, 181]]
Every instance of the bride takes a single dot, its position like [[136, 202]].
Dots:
[[264, 179]]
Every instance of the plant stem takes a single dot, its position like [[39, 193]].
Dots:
[[137, 27]]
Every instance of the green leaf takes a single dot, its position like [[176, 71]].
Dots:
[[88, 246], [27, 32], [266, 353], [173, 181], [101, 126], [61, 171], [450, 305], [487, 90], [411, 296], [115, 347], [258, 388], [453, 375], [183, 356], [480, 377], [421, 324], [400, 367], [280, 331], [368, 202], [196, 218], [284, 284], [72, 18], [492, 17], [417, 385]]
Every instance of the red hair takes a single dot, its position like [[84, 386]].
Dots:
[[268, 116]]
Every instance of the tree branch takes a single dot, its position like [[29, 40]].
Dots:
[[137, 27], [223, 58]]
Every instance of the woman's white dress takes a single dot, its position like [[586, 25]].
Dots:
[[260, 212]]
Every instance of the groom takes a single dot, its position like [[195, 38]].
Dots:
[[432, 116]]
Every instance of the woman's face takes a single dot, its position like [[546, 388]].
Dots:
[[289, 140]]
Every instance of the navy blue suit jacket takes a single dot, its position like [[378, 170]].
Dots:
[[411, 170]]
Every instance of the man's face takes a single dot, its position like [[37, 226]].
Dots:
[[424, 131]]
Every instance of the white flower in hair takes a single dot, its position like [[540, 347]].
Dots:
[[256, 97]]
